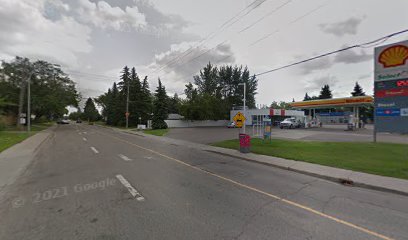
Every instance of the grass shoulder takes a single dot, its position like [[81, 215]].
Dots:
[[384, 159], [156, 132], [11, 135]]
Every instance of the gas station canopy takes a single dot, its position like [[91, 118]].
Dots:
[[334, 103]]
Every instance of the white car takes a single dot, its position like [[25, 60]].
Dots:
[[231, 125], [289, 123]]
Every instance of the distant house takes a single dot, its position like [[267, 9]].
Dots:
[[175, 116]]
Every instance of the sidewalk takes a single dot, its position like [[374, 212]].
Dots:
[[359, 179], [14, 160]]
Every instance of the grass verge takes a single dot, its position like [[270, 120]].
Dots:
[[384, 159], [12, 136], [157, 132], [8, 139]]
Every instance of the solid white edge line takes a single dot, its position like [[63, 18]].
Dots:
[[94, 149], [131, 189], [125, 158]]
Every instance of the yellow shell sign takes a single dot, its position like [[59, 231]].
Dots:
[[393, 56]]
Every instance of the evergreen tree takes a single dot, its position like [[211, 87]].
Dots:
[[160, 111], [174, 104], [307, 97], [90, 112], [358, 91], [115, 113], [135, 98], [146, 102], [325, 93]]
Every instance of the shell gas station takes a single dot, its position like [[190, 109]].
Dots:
[[335, 110]]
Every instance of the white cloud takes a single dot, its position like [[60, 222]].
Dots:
[[185, 60], [342, 28], [103, 15], [350, 57], [314, 85], [25, 31], [346, 57]]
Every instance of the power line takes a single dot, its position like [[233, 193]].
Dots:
[[266, 15], [253, 24], [73, 72], [256, 22], [290, 23], [226, 24], [362, 45]]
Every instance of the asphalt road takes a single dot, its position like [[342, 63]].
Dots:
[[89, 182]]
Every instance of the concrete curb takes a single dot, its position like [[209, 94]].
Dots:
[[342, 176], [345, 181]]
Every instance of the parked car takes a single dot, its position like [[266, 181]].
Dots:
[[231, 125], [289, 123], [78, 121], [62, 121]]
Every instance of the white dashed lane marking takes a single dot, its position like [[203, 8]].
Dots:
[[131, 189], [94, 149], [124, 157]]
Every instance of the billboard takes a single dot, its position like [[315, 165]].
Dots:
[[391, 88]]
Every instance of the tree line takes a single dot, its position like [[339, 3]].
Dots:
[[51, 89], [214, 91], [142, 104], [326, 93]]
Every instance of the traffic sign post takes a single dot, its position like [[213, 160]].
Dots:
[[244, 139], [239, 119]]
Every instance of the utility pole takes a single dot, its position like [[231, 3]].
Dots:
[[127, 104], [20, 104]]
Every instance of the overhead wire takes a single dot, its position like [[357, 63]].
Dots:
[[265, 16], [289, 24], [213, 48], [214, 33], [362, 45], [264, 37]]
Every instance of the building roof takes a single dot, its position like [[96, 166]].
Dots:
[[334, 102]]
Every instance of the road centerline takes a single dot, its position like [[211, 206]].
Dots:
[[289, 202], [130, 188]]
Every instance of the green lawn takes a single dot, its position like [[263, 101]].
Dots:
[[8, 139], [11, 136], [380, 158], [157, 132]]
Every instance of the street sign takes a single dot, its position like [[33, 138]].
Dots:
[[391, 88], [239, 119]]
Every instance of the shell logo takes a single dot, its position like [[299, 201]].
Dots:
[[394, 56]]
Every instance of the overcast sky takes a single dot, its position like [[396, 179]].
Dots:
[[172, 39]]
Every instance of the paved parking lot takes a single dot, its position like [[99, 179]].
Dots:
[[208, 135]]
